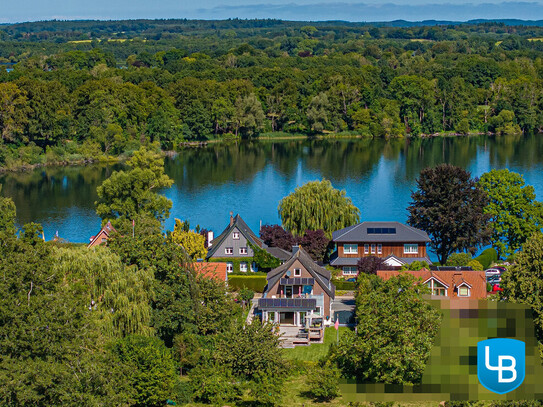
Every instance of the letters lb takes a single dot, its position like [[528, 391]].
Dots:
[[501, 364]]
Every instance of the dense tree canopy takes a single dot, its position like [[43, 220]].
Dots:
[[449, 206], [516, 215], [317, 205]]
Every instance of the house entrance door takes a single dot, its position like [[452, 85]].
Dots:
[[287, 318], [288, 291]]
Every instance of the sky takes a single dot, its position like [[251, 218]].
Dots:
[[305, 10]]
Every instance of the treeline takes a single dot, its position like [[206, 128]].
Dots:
[[78, 104]]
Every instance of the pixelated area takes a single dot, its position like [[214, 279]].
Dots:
[[451, 370]]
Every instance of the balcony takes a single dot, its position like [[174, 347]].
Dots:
[[298, 303]]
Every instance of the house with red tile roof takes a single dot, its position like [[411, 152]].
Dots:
[[102, 236], [216, 270], [454, 284]]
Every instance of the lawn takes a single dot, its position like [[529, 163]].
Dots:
[[316, 351]]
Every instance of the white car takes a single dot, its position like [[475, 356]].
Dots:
[[492, 272]]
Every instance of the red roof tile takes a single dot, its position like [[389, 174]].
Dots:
[[211, 270]]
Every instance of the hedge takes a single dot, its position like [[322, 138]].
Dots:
[[487, 257], [255, 283], [344, 285]]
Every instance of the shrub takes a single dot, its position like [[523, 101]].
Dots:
[[487, 257], [475, 265], [459, 259], [344, 285], [213, 384], [324, 383], [246, 295], [255, 283]]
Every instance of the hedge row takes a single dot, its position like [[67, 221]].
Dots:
[[344, 285], [255, 283], [487, 257]]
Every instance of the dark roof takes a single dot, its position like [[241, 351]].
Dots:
[[278, 253], [320, 274], [244, 230], [359, 233], [337, 261]]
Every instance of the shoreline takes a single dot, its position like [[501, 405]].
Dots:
[[204, 143]]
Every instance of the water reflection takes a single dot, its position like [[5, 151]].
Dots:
[[251, 178]]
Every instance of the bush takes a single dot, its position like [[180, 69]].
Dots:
[[344, 285], [255, 283], [459, 259], [323, 383], [487, 257], [213, 384], [475, 265], [246, 295]]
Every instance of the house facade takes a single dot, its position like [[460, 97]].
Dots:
[[298, 291], [233, 246], [396, 243], [102, 236], [449, 284]]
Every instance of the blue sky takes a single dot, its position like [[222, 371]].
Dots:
[[371, 10]]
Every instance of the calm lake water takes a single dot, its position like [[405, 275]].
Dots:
[[250, 178]]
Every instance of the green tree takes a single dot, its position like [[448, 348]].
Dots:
[[192, 242], [514, 212], [458, 259], [14, 111], [249, 117], [7, 215], [126, 195], [323, 382], [395, 332], [318, 112], [523, 281], [153, 375], [317, 205], [449, 206]]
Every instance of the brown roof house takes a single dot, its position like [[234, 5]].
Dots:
[[102, 236], [215, 271], [396, 243], [452, 284], [298, 291]]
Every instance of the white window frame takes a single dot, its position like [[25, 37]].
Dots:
[[350, 270], [297, 272], [242, 250], [243, 267], [373, 248], [235, 235], [410, 248], [228, 250], [317, 311], [350, 248], [467, 288], [379, 248], [366, 249], [441, 286], [229, 267]]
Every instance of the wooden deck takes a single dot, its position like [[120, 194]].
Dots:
[[292, 336]]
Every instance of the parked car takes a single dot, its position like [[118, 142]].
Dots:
[[492, 272], [500, 268], [351, 280], [493, 279]]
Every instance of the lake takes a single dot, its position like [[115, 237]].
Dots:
[[250, 178]]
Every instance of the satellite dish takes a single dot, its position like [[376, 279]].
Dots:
[[287, 273]]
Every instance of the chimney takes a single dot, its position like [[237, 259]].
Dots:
[[231, 218], [295, 249], [209, 238]]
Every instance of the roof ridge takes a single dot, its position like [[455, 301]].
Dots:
[[352, 227]]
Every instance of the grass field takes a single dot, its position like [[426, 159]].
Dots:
[[314, 352]]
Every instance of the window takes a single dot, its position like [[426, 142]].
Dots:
[[463, 291], [271, 316], [242, 250], [297, 272], [379, 249], [437, 288], [243, 267], [373, 248], [229, 250], [350, 270], [381, 231], [317, 310], [350, 248], [366, 248], [229, 267], [235, 235], [254, 267], [410, 248]]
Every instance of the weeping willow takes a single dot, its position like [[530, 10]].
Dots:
[[317, 205], [118, 296]]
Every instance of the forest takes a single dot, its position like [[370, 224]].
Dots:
[[89, 90]]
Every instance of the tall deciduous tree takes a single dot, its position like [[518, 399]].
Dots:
[[449, 206], [317, 205], [7, 215], [276, 236], [516, 215], [192, 242], [395, 332], [523, 281], [127, 195]]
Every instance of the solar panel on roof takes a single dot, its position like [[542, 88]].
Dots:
[[381, 231]]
